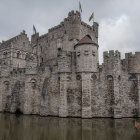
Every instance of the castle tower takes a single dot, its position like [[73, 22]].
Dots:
[[132, 66], [72, 24], [64, 69], [112, 70], [86, 64], [86, 55]]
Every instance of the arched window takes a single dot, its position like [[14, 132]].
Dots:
[[59, 49], [33, 80], [58, 78], [5, 55], [133, 77], [42, 59], [33, 83], [18, 54], [110, 95], [6, 82], [68, 78], [119, 77], [93, 76], [78, 77], [109, 77]]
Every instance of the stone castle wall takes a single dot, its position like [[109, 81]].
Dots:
[[53, 75]]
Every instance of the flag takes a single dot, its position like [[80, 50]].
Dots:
[[91, 17], [80, 7], [34, 29]]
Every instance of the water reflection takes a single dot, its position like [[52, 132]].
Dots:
[[23, 127]]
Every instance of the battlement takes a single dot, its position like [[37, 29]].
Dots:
[[111, 54], [14, 39], [43, 36], [72, 26], [56, 27], [132, 62], [131, 55], [73, 13], [86, 25]]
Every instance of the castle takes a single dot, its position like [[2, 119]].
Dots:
[[58, 74]]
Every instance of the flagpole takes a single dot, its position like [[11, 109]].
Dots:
[[80, 8], [93, 17]]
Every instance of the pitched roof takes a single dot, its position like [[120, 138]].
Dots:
[[86, 40]]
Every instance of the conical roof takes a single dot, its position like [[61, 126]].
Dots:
[[86, 40]]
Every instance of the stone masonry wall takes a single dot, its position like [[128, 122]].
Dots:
[[54, 76]]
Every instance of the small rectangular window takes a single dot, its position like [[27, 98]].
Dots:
[[78, 53], [93, 53], [86, 52]]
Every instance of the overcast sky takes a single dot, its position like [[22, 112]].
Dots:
[[119, 20]]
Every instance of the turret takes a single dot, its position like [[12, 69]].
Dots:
[[86, 64], [111, 61], [133, 62], [86, 55], [113, 76], [72, 24]]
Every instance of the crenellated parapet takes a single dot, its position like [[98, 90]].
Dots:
[[70, 25], [112, 63], [56, 27], [74, 17], [67, 33], [132, 62], [93, 28], [111, 55], [86, 25], [12, 40], [112, 78]]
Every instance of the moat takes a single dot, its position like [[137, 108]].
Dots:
[[31, 127]]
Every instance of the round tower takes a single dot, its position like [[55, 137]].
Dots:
[[86, 64], [86, 55]]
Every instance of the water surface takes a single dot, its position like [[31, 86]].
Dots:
[[25, 127]]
